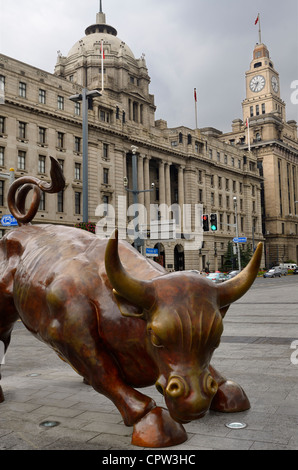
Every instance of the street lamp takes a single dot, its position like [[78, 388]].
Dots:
[[86, 97], [135, 192], [237, 233]]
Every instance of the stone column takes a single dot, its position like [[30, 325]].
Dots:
[[168, 184], [181, 193], [147, 186]]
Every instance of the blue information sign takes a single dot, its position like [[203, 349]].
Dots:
[[8, 221], [240, 240], [152, 251]]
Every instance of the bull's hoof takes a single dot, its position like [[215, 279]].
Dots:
[[1, 395], [230, 398], [158, 429]]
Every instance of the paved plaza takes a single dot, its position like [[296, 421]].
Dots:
[[255, 351]]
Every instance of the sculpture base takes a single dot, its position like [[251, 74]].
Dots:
[[158, 429], [1, 395]]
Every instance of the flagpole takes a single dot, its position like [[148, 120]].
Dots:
[[260, 35], [196, 108]]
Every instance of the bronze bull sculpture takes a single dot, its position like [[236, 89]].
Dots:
[[121, 321]]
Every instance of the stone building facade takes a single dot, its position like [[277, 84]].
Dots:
[[196, 171], [274, 142]]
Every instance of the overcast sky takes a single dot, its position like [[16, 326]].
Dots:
[[203, 44]]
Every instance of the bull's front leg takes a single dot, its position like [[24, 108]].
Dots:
[[230, 396]]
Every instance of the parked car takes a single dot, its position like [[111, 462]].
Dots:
[[217, 277], [232, 274], [281, 269], [295, 271], [272, 273]]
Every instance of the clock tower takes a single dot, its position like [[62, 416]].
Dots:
[[262, 87]]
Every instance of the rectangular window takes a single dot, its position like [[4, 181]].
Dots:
[[106, 176], [105, 151], [22, 130], [251, 111], [77, 108], [1, 193], [22, 90], [42, 204], [60, 102], [2, 89], [78, 144], [77, 171], [41, 164], [263, 108], [77, 203], [42, 135], [2, 125], [2, 149], [60, 201], [60, 139], [106, 205], [21, 160], [42, 96], [257, 110]]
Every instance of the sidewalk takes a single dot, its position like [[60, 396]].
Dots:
[[255, 352]]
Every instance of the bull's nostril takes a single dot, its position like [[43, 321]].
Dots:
[[176, 387], [211, 385]]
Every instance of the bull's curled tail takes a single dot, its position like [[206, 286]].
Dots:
[[16, 201]]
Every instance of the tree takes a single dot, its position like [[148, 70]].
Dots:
[[231, 259]]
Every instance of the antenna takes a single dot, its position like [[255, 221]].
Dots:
[[100, 6]]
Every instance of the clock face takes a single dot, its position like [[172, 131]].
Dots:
[[274, 83], [257, 83]]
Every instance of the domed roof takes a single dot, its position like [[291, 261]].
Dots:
[[101, 32]]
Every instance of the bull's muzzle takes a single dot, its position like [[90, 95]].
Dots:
[[177, 387], [188, 399]]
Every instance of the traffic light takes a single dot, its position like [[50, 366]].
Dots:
[[213, 222], [205, 220]]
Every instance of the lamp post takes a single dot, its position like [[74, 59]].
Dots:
[[237, 233], [87, 99], [135, 193]]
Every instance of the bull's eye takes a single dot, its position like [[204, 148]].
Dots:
[[155, 340]]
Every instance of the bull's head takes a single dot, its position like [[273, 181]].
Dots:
[[184, 313]]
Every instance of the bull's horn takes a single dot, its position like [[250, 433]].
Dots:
[[137, 292], [232, 290]]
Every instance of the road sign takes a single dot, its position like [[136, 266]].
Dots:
[[8, 221], [240, 240], [152, 252]]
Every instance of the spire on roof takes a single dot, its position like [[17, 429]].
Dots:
[[100, 6]]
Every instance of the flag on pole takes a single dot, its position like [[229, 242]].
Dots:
[[195, 95], [257, 20], [102, 51]]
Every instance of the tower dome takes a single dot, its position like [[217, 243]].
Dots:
[[101, 31]]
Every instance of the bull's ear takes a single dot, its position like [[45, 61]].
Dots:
[[126, 308], [224, 310]]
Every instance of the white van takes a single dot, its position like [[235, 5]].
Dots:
[[288, 265]]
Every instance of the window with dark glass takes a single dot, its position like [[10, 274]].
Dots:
[[22, 130], [22, 90], [60, 201], [77, 202], [21, 160], [41, 164]]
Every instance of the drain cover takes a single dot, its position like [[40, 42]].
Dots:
[[236, 425]]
